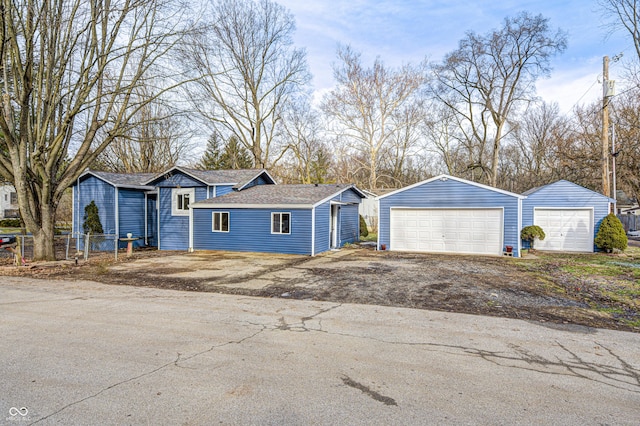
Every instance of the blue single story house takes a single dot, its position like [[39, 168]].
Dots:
[[295, 219], [569, 214], [167, 210], [447, 214]]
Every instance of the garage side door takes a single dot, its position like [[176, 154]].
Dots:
[[565, 229], [473, 231]]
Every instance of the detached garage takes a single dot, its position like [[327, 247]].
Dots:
[[569, 214], [446, 214]]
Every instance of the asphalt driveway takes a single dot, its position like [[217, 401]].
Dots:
[[85, 353]]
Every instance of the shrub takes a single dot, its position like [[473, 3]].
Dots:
[[611, 234], [531, 232], [92, 222], [364, 231], [10, 223]]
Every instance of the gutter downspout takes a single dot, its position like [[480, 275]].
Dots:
[[190, 249], [146, 220], [519, 227], [117, 215], [313, 231]]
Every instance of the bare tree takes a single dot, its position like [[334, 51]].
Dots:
[[489, 76], [364, 103], [624, 15], [248, 70], [69, 69], [307, 153], [157, 141]]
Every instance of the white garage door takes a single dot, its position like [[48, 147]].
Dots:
[[565, 229], [476, 231]]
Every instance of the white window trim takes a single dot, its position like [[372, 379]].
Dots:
[[174, 200], [213, 221], [271, 223]]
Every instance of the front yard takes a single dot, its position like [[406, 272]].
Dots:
[[597, 290]]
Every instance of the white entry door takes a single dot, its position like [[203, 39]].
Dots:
[[473, 231], [565, 229]]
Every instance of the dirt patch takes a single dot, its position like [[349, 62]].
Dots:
[[542, 289]]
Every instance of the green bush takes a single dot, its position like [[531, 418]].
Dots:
[[611, 234], [10, 223], [364, 231], [92, 222], [531, 232]]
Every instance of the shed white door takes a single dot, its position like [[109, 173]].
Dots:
[[565, 229], [475, 231]]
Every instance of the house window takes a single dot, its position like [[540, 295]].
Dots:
[[280, 223], [180, 200], [14, 198], [220, 222]]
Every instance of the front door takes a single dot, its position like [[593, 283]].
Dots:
[[334, 226]]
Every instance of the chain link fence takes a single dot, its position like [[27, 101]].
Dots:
[[69, 246]]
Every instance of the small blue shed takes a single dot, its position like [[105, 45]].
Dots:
[[294, 219], [447, 214], [569, 214]]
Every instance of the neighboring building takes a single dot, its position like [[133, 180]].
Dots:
[[569, 215], [8, 202], [180, 209]]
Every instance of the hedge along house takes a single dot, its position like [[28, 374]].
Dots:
[[178, 188], [294, 219], [569, 215], [123, 204], [155, 207], [446, 214]]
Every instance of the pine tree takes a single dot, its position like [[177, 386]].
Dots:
[[92, 222], [235, 156], [211, 158]]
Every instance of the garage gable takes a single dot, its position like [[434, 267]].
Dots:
[[450, 214]]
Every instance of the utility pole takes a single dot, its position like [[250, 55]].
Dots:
[[605, 127]]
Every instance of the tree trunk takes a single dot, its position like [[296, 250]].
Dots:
[[43, 237]]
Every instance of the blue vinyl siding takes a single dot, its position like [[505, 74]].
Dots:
[[349, 224], [349, 196], [323, 228], [131, 212], [451, 194], [566, 194], [250, 230], [174, 230], [104, 195], [178, 179], [223, 189], [260, 180]]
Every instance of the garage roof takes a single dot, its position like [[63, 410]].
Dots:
[[444, 178]]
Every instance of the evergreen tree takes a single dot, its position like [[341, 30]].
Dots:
[[92, 222], [611, 234], [211, 158], [235, 156]]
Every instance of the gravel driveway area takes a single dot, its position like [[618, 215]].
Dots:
[[506, 287]]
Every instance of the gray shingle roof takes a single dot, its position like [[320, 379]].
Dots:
[[238, 177], [124, 179], [284, 195]]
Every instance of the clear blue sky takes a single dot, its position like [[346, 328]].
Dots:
[[404, 31]]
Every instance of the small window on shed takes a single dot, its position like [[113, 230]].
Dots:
[[220, 222], [280, 223], [14, 198]]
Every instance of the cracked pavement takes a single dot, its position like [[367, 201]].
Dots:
[[88, 353]]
